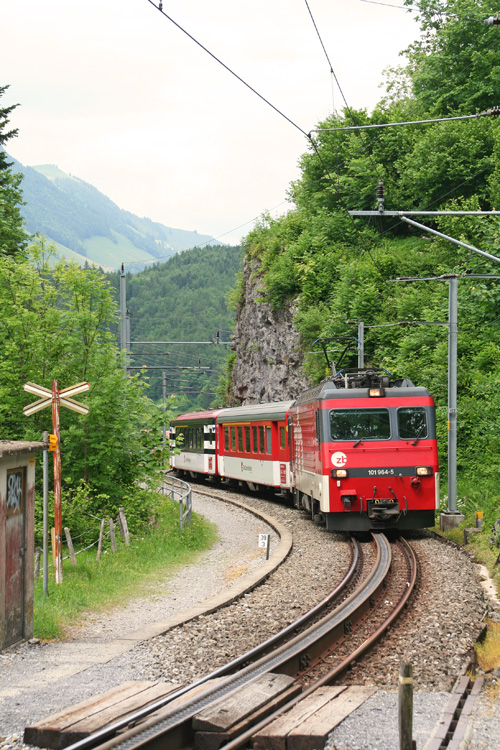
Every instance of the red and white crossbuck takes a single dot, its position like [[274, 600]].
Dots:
[[55, 398]]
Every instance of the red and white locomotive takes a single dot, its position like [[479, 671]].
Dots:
[[357, 452]]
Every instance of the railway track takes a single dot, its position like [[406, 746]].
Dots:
[[309, 654]]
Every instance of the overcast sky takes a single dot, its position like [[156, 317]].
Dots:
[[114, 93]]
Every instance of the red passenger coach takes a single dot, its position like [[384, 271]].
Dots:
[[253, 445], [363, 453], [198, 447]]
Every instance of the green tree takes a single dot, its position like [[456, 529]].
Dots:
[[13, 238], [455, 66], [56, 325]]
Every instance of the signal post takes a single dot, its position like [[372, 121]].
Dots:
[[56, 398]]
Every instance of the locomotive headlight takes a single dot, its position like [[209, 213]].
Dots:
[[424, 471], [375, 392], [339, 473]]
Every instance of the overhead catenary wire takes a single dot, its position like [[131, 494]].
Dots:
[[363, 145], [226, 67], [492, 112], [251, 88]]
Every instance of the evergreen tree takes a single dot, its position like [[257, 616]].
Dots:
[[13, 238]]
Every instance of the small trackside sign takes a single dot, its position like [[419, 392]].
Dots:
[[265, 543], [263, 540]]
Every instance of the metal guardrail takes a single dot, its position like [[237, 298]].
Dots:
[[181, 492]]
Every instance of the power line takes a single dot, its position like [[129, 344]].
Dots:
[[226, 67], [492, 112]]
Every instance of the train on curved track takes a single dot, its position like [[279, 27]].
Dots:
[[358, 452]]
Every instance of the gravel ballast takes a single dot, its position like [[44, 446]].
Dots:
[[436, 634]]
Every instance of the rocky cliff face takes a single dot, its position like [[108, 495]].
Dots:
[[269, 362]]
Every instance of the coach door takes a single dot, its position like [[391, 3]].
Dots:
[[15, 550]]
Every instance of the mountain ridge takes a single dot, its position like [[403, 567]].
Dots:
[[87, 226]]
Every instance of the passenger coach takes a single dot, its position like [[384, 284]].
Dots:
[[197, 447], [253, 445]]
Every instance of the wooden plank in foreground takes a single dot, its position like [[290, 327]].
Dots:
[[213, 740], [72, 724], [236, 706], [310, 721]]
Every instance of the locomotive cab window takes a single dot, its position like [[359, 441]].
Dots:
[[412, 423], [360, 424]]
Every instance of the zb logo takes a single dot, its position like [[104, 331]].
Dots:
[[14, 492]]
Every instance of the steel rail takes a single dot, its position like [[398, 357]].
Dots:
[[249, 656], [330, 676], [174, 722], [380, 630]]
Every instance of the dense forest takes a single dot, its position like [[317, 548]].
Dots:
[[183, 300], [338, 268]]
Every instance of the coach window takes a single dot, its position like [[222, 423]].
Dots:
[[226, 438], [269, 440], [282, 438], [412, 423], [262, 439], [240, 439], [360, 424], [254, 436], [248, 448]]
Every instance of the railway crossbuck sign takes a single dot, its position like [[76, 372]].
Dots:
[[54, 398], [47, 396]]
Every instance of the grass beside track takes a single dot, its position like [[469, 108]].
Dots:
[[131, 571]]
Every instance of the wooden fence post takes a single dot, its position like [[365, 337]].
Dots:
[[71, 549], [99, 545], [54, 550], [405, 701], [112, 535], [122, 521], [38, 552]]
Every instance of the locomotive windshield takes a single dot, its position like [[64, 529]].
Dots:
[[360, 424], [412, 423], [375, 424]]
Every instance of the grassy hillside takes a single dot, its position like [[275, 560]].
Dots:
[[87, 226]]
